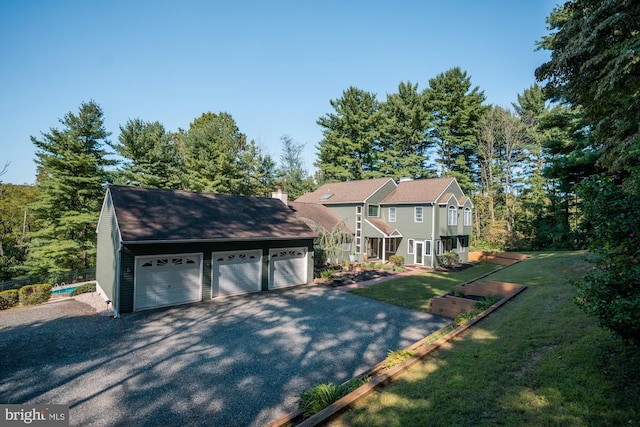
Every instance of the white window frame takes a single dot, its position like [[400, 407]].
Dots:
[[452, 219], [461, 248], [467, 216], [427, 248], [439, 247], [392, 214], [415, 214], [393, 245], [411, 244]]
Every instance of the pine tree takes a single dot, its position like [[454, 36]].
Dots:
[[404, 144], [351, 138], [456, 111], [151, 156], [71, 174]]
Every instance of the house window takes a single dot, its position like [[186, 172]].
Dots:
[[346, 246], [467, 216], [461, 244], [392, 214], [439, 247], [427, 247], [410, 249], [453, 216], [373, 210], [358, 239], [418, 214], [392, 245]]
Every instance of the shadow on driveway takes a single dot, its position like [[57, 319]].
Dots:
[[239, 362]]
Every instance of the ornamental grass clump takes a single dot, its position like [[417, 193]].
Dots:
[[315, 398]]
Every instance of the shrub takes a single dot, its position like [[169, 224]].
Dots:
[[315, 398], [397, 260], [9, 299], [611, 290], [89, 287], [449, 259], [35, 294]]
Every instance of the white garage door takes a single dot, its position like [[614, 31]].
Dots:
[[287, 267], [167, 280], [236, 272]]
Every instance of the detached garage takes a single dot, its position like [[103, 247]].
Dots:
[[160, 248]]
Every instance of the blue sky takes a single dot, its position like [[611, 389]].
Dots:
[[273, 65]]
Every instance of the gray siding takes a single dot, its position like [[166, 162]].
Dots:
[[107, 249]]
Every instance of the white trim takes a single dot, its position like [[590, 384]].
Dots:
[[415, 214], [200, 257], [453, 209], [395, 214]]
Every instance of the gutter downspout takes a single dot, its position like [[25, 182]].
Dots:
[[116, 293], [433, 233]]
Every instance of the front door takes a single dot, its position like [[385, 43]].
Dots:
[[419, 251]]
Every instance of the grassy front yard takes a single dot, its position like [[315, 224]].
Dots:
[[536, 361], [416, 291]]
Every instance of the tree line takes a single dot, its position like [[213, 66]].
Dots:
[[49, 229]]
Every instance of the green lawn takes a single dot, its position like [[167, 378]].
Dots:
[[416, 291], [537, 361]]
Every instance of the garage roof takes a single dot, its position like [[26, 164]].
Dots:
[[147, 215]]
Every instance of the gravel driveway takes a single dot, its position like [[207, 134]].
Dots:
[[239, 362]]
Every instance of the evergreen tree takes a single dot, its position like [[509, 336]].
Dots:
[[404, 144], [293, 179], [595, 66], [214, 151], [71, 174], [456, 110], [351, 138], [151, 156]]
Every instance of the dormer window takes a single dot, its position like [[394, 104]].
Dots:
[[467, 216], [453, 216]]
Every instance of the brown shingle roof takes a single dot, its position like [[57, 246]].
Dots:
[[382, 225], [319, 214], [418, 191], [146, 215], [344, 192]]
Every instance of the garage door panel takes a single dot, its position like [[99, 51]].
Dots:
[[167, 280], [237, 272], [287, 267]]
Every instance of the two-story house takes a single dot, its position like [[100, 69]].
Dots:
[[418, 219]]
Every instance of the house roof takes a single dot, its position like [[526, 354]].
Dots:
[[344, 192], [418, 191], [383, 226], [147, 215], [319, 214]]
